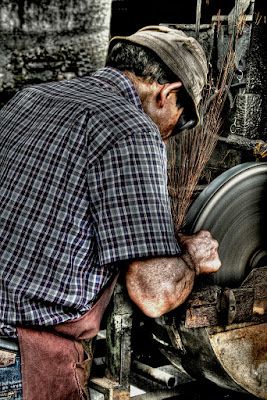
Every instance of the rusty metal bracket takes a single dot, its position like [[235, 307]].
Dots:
[[212, 305], [228, 305]]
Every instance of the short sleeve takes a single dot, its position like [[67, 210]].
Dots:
[[129, 201]]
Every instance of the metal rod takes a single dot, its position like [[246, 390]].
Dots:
[[198, 16], [155, 373]]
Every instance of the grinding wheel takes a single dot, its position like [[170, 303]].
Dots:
[[234, 209]]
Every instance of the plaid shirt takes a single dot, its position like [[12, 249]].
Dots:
[[83, 186]]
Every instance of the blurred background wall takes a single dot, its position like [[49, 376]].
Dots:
[[50, 40]]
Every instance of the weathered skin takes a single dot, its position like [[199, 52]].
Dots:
[[158, 285]]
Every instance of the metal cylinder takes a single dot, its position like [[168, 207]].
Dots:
[[156, 374]]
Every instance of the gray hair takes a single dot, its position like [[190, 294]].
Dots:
[[141, 61], [145, 64]]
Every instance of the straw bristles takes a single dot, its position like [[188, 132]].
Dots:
[[188, 157]]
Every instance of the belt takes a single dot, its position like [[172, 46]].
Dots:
[[9, 344]]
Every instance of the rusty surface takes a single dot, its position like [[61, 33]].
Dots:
[[211, 305], [243, 354], [227, 337], [203, 307]]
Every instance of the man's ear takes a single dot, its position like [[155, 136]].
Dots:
[[166, 89]]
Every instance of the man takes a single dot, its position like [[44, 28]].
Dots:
[[84, 195]]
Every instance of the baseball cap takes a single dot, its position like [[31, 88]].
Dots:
[[183, 54]]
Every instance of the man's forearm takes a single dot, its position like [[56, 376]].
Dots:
[[159, 285]]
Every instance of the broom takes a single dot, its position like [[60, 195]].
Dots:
[[188, 156]]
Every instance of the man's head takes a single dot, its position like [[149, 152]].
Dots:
[[161, 57]]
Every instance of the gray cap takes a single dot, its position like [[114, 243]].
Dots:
[[181, 53]]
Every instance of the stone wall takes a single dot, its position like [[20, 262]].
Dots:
[[50, 40]]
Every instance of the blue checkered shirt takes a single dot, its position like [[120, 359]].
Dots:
[[83, 186]]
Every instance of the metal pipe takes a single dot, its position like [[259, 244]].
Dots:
[[198, 15], [158, 375]]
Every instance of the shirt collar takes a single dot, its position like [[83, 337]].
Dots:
[[121, 82]]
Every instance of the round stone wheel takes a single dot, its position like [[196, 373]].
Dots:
[[234, 209]]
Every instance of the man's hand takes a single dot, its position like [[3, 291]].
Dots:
[[159, 285], [200, 252]]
